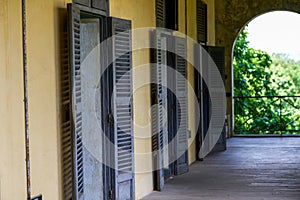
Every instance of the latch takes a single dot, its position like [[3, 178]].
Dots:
[[111, 194]]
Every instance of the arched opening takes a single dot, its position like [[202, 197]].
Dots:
[[266, 66]]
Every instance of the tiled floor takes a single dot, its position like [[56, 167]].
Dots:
[[251, 169]]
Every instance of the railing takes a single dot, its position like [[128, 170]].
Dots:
[[267, 115]]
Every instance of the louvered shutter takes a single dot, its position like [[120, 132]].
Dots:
[[84, 62], [201, 21], [74, 22], [160, 8], [122, 108], [159, 105], [83, 2], [100, 4], [200, 87], [205, 99], [66, 128], [181, 164], [217, 54]]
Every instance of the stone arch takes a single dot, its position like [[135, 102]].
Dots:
[[231, 16]]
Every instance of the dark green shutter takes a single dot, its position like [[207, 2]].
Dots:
[[205, 99], [199, 94], [202, 61], [217, 54], [85, 95], [66, 127], [181, 164], [159, 105], [122, 108], [75, 62], [100, 4], [201, 21], [160, 8], [83, 2]]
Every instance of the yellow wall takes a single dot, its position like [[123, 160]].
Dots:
[[44, 20], [142, 14], [42, 39], [43, 36], [12, 150]]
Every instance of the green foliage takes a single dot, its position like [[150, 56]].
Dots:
[[252, 74], [286, 75], [256, 74]]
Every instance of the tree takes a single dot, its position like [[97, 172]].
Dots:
[[252, 75], [256, 76], [286, 75]]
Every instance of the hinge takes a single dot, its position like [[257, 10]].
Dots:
[[110, 195], [110, 119], [37, 198], [174, 107]]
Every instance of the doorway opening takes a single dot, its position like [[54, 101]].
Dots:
[[266, 68]]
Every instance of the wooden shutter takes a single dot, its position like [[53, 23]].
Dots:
[[160, 8], [159, 105], [201, 21], [217, 54], [83, 2], [66, 127], [181, 164], [100, 4], [122, 108], [84, 37], [199, 88], [205, 99], [75, 62]]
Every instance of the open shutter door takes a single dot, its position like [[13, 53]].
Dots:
[[160, 8], [75, 62], [66, 123], [181, 164], [205, 100], [201, 21], [159, 105], [122, 108], [202, 94], [85, 71], [217, 54]]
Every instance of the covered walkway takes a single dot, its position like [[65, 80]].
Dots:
[[251, 169]]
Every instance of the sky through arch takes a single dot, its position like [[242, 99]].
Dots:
[[276, 32]]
